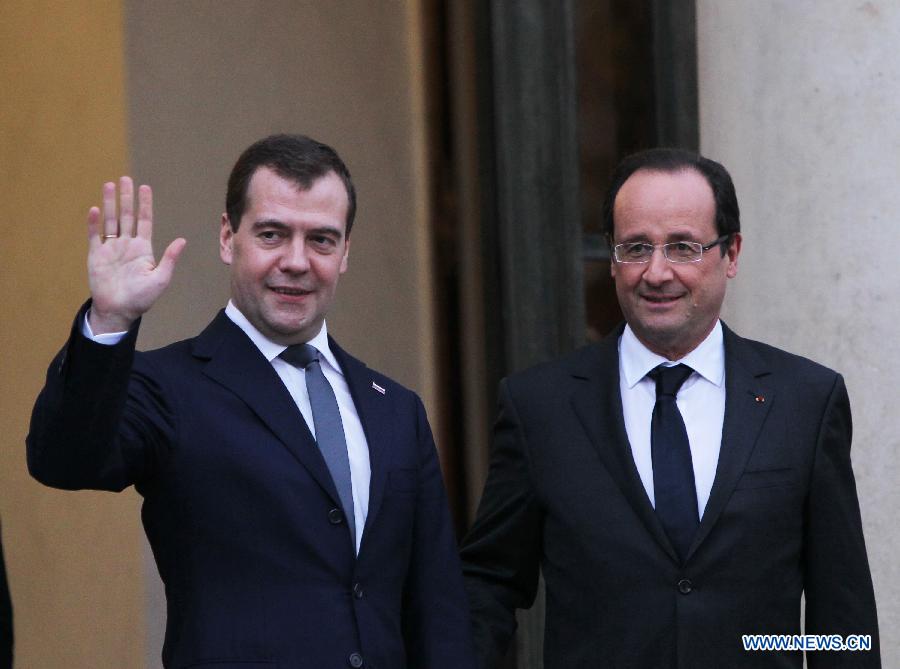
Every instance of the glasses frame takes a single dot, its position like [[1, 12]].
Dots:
[[702, 249]]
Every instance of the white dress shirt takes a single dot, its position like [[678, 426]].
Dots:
[[701, 401], [295, 381]]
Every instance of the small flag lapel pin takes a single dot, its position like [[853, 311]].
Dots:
[[378, 388]]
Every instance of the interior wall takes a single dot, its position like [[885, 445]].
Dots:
[[798, 100], [74, 559]]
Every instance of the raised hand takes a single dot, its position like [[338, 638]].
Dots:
[[124, 277]]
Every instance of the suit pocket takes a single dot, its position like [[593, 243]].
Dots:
[[766, 478], [231, 664], [402, 481]]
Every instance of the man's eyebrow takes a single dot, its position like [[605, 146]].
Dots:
[[274, 223], [674, 236], [269, 223], [640, 237], [681, 236], [326, 230]]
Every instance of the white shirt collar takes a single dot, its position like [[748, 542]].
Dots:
[[270, 349], [707, 359]]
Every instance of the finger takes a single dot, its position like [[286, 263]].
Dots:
[[94, 227], [126, 207], [167, 263], [145, 212], [110, 223]]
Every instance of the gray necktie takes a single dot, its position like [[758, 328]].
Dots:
[[328, 425]]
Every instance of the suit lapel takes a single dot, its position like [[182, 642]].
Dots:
[[748, 400], [599, 409], [375, 410], [236, 363]]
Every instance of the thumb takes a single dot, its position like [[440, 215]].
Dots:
[[170, 257]]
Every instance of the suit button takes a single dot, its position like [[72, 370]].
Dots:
[[685, 586], [355, 660], [357, 591], [335, 517]]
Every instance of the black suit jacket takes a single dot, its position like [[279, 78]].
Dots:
[[6, 626], [563, 495], [242, 515]]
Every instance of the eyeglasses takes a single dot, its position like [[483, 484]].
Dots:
[[677, 252]]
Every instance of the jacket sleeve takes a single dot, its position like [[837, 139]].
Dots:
[[838, 584], [97, 423], [501, 553]]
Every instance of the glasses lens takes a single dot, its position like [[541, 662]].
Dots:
[[634, 252], [683, 251]]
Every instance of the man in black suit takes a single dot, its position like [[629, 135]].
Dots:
[[292, 496], [678, 486], [6, 626]]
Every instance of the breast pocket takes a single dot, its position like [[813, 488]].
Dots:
[[766, 478]]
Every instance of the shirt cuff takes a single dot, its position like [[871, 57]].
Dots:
[[107, 338]]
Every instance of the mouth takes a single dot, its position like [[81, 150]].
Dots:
[[289, 291], [662, 300]]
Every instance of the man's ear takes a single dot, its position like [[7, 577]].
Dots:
[[226, 240], [612, 260], [346, 255], [733, 251]]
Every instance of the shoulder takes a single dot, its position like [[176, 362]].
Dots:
[[578, 362], [174, 354], [572, 372], [220, 337], [788, 368]]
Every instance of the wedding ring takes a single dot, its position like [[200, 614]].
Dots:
[[105, 237]]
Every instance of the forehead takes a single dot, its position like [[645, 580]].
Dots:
[[673, 200], [270, 194]]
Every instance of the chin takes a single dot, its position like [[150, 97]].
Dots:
[[661, 336]]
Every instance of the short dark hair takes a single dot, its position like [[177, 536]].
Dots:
[[297, 158], [728, 216]]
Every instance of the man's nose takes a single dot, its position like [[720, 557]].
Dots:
[[293, 258], [659, 269]]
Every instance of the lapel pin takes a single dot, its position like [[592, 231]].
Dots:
[[760, 399], [378, 388]]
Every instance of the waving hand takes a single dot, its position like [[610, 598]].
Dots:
[[124, 277]]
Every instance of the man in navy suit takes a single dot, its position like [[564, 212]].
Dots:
[[292, 496], [677, 485]]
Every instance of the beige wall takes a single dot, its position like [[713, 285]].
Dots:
[[799, 99], [172, 92], [73, 558]]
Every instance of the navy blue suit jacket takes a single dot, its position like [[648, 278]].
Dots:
[[243, 518], [563, 495]]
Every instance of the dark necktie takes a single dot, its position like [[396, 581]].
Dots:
[[328, 425], [673, 469]]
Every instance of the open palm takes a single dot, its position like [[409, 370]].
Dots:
[[124, 277]]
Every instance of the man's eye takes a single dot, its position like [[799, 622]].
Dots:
[[268, 235], [322, 240], [682, 249], [638, 250]]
